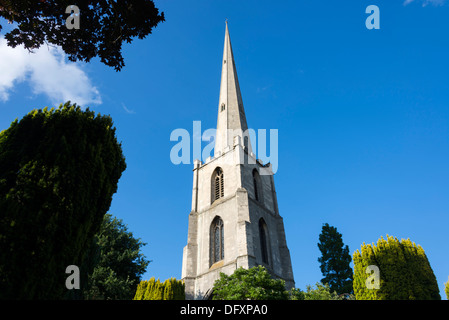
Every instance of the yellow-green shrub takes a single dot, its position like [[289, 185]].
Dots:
[[446, 289], [170, 289], [405, 272]]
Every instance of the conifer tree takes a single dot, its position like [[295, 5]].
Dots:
[[141, 289], [446, 289], [158, 291], [335, 260], [404, 271], [170, 289], [59, 169], [149, 291], [119, 262]]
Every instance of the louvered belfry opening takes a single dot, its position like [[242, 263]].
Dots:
[[218, 184]]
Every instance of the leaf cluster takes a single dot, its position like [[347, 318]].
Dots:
[[319, 292], [104, 26], [249, 284], [118, 262]]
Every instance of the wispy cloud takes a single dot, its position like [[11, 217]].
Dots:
[[47, 72], [127, 110], [427, 2]]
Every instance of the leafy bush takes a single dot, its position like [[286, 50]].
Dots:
[[321, 292], [249, 284]]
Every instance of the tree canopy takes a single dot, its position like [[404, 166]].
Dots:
[[319, 292], [117, 260], [253, 284], [104, 26], [58, 171]]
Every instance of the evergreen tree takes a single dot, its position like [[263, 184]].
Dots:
[[158, 291], [141, 289], [58, 172], [335, 260], [446, 289], [119, 262], [404, 271], [170, 289], [149, 290]]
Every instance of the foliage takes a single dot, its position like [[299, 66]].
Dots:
[[321, 292], [335, 260], [119, 263], [405, 272], [170, 289], [249, 284], [104, 26], [446, 289], [58, 172]]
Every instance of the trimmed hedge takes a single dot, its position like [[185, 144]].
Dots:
[[170, 289], [446, 289], [405, 272], [59, 169]]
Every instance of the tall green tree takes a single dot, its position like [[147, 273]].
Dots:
[[58, 171], [119, 263], [103, 26], [335, 260], [249, 284], [404, 272]]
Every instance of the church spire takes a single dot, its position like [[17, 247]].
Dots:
[[231, 119]]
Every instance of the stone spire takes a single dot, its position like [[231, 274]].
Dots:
[[231, 119]]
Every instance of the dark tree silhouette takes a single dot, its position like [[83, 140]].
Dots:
[[104, 26]]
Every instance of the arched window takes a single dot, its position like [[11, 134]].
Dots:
[[263, 235], [217, 184], [257, 186], [216, 240]]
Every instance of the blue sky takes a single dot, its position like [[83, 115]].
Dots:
[[363, 117]]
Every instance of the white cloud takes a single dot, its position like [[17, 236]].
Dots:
[[47, 73], [427, 2]]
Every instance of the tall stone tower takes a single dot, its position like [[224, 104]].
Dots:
[[235, 220]]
